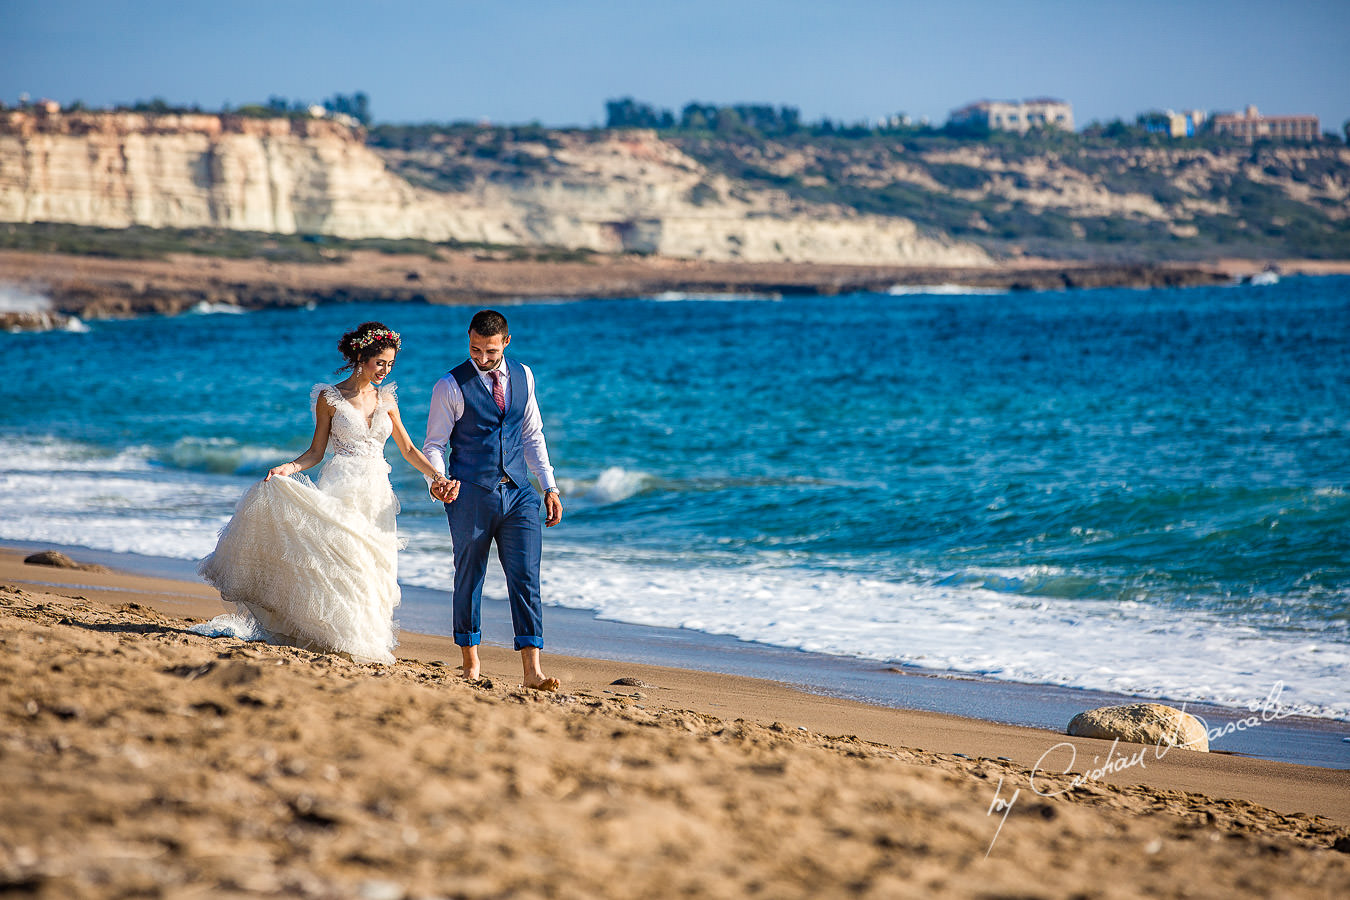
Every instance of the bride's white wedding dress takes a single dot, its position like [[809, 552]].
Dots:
[[315, 566]]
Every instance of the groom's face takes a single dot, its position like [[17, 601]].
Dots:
[[487, 351]]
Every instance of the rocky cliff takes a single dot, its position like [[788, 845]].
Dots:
[[1070, 196], [610, 192]]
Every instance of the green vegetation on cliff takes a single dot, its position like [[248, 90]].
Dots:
[[1068, 195], [140, 242], [1108, 193]]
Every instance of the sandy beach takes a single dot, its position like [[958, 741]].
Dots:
[[140, 760]]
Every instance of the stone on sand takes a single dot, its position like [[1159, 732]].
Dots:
[[1142, 723], [60, 561]]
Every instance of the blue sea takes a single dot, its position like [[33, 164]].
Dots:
[[1136, 491]]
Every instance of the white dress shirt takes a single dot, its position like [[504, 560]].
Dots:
[[447, 406]]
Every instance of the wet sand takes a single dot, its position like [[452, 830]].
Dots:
[[140, 759]]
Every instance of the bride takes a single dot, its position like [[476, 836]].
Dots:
[[315, 566]]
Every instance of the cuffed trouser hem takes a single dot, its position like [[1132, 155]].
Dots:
[[529, 640], [471, 639]]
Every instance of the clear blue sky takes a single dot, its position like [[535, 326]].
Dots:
[[557, 62]]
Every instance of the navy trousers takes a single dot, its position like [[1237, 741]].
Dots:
[[509, 514]]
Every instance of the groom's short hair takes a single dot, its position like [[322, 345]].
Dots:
[[488, 322]]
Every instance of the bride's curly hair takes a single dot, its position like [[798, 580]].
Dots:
[[366, 340]]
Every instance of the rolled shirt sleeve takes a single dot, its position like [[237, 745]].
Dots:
[[447, 405]]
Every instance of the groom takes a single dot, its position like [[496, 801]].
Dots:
[[484, 413]]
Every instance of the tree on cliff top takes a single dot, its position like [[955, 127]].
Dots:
[[628, 113], [357, 106], [751, 119]]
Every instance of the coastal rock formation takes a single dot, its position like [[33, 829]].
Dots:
[[615, 192], [1142, 723], [1081, 197], [36, 320], [27, 310], [114, 170], [59, 560], [91, 287]]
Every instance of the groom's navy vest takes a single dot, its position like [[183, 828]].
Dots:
[[486, 443]]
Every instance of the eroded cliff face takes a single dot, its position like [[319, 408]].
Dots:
[[624, 192], [118, 169], [1079, 198]]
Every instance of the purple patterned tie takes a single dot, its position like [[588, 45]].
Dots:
[[498, 392]]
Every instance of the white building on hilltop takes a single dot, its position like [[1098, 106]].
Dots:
[[1251, 126], [1009, 115]]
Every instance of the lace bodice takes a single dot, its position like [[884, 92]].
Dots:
[[349, 435]]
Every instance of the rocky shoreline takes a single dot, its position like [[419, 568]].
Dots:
[[94, 288]]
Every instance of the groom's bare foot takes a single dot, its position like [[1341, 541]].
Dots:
[[534, 675], [544, 684], [472, 668]]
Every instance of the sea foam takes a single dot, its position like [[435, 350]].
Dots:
[[67, 493], [1119, 646], [14, 299], [613, 485], [901, 290], [714, 296], [220, 455], [207, 308]]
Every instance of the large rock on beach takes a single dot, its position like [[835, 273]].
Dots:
[[1142, 723], [59, 560]]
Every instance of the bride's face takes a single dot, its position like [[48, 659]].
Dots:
[[377, 368]]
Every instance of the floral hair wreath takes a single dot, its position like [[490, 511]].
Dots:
[[380, 334]]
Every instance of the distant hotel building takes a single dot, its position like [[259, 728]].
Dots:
[[1174, 124], [1252, 126], [999, 115]]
